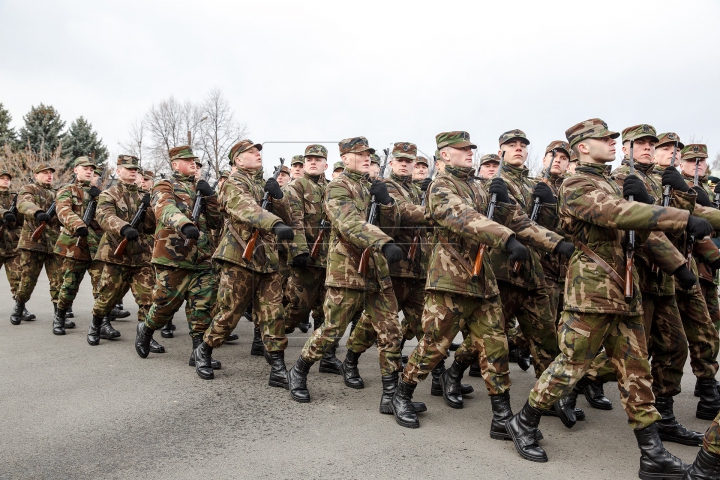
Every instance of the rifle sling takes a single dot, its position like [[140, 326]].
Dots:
[[604, 265], [455, 254]]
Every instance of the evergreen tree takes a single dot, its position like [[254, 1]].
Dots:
[[82, 140], [42, 129], [7, 133]]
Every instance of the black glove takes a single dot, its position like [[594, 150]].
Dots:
[[518, 251], [673, 178], [282, 231], [41, 216], [685, 277], [94, 191], [543, 191], [204, 188], [146, 200], [128, 232], [702, 197], [273, 188], [425, 184], [715, 264], [301, 261], [190, 231], [565, 248], [379, 189], [9, 217], [635, 187], [698, 227], [82, 232], [498, 187], [392, 252]]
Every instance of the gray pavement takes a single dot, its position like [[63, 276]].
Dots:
[[74, 411]]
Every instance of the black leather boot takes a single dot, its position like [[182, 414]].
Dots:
[[475, 370], [143, 335], [297, 381], [452, 392], [93, 335], [69, 324], [572, 403], [594, 393], [59, 322], [350, 370], [27, 316], [436, 384], [389, 383], [402, 407], [565, 412], [524, 359], [248, 313], [502, 412], [655, 461], [523, 428], [705, 467], [155, 347], [17, 314], [196, 341], [330, 363], [167, 331], [305, 325], [454, 346], [257, 348], [697, 392], [69, 313], [709, 404], [668, 427], [118, 312], [106, 330], [232, 337], [278, 372], [203, 361]]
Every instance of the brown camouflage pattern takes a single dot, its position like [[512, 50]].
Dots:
[[12, 271], [639, 131], [593, 128], [70, 205], [711, 440], [32, 198], [73, 272], [116, 279], [303, 293], [31, 263], [305, 201]]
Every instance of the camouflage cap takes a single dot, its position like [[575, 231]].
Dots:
[[149, 173], [453, 139], [559, 145], [489, 158], [593, 128], [355, 145], [42, 167], [316, 151], [669, 137], [6, 173], [198, 163], [374, 158], [128, 161], [512, 135], [694, 150], [422, 160], [297, 159], [639, 131], [405, 150], [242, 146], [338, 166], [284, 169], [573, 156], [84, 162], [183, 152], [224, 173]]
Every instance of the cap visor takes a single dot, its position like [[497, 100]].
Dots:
[[463, 144], [522, 139]]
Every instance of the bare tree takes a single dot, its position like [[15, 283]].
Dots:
[[21, 164], [134, 144], [715, 164], [219, 131], [533, 162]]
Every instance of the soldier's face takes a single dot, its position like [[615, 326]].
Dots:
[[296, 170], [336, 173], [420, 171], [688, 167], [402, 166], [643, 150], [4, 182], [374, 170], [315, 165], [184, 167], [458, 157], [44, 177], [663, 155], [560, 163], [84, 173], [598, 150], [127, 175], [147, 184], [357, 161], [250, 159], [283, 179], [516, 152], [488, 169]]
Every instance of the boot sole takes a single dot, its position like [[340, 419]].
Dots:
[[330, 370], [705, 416], [93, 344], [63, 333], [386, 410], [500, 436], [166, 334], [660, 476], [681, 441], [204, 376], [361, 386], [275, 383], [14, 322], [523, 454], [157, 350], [110, 337], [299, 400], [191, 363]]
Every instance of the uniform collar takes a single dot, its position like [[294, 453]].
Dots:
[[356, 176], [460, 172], [404, 179], [594, 168], [517, 172]]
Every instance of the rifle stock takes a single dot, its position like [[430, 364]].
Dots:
[[315, 251], [120, 250], [39, 231], [477, 266], [364, 261]]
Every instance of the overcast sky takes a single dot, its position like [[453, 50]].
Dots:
[[388, 70]]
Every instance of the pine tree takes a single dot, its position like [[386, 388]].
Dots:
[[42, 129], [82, 140], [7, 133]]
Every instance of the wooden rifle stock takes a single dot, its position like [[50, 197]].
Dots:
[[315, 251], [629, 265], [120, 250], [250, 247], [413, 247], [364, 261], [477, 266], [39, 231]]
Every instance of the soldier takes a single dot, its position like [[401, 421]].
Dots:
[[572, 164], [489, 164], [147, 178], [374, 167], [182, 252], [10, 230], [596, 312], [297, 164], [33, 201], [224, 175], [284, 176], [338, 169], [420, 170]]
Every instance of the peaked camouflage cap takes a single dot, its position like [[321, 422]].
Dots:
[[374, 159], [694, 150], [669, 137], [198, 163], [316, 151], [355, 145], [637, 132], [224, 173], [84, 162], [512, 135], [128, 161], [242, 146], [452, 139], [285, 169], [593, 128], [489, 158], [148, 174], [405, 150], [42, 167], [297, 159], [559, 145], [421, 159], [183, 152], [338, 166], [5, 173]]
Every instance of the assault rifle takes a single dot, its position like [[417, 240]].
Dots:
[[13, 210], [630, 244], [89, 215], [365, 256], [197, 209], [477, 266], [315, 250], [690, 243], [250, 247], [416, 235]]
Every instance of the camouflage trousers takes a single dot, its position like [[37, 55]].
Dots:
[[535, 315], [410, 294], [711, 440], [442, 318], [31, 263], [710, 292], [115, 280], [304, 292], [238, 287], [73, 273], [172, 287], [555, 298], [701, 333], [95, 272], [380, 315], [580, 338], [12, 272]]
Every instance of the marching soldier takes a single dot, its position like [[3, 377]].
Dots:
[[374, 167], [297, 164], [420, 170], [338, 169], [284, 176]]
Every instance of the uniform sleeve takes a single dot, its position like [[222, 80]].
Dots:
[[213, 218], [530, 233], [26, 202], [350, 222], [240, 204], [106, 214], [411, 215], [64, 208], [710, 214], [296, 210], [663, 253], [706, 250], [619, 177], [165, 209]]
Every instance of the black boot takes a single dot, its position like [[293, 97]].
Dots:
[[248, 313], [59, 322], [502, 412], [705, 467], [655, 461], [203, 360], [93, 335], [257, 349], [436, 384], [668, 427], [454, 346], [524, 359], [523, 428], [69, 313], [594, 393], [389, 383], [564, 410], [118, 312], [17, 314], [196, 341], [27, 316], [572, 402], [167, 331], [305, 325], [350, 370], [155, 347], [330, 363], [697, 391], [278, 372], [475, 370], [709, 404], [297, 381], [143, 335], [402, 407], [106, 330], [232, 337], [452, 392], [69, 324]]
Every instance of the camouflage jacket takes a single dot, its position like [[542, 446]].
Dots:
[[172, 203], [347, 204], [593, 212], [704, 251], [116, 208], [530, 275], [11, 233], [408, 197], [33, 198], [240, 201], [70, 204], [554, 265], [305, 199]]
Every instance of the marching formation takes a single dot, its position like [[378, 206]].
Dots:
[[581, 273]]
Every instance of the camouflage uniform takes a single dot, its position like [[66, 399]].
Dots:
[[9, 256]]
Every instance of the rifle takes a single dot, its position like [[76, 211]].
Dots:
[[416, 235], [13, 210], [89, 215], [630, 246], [120, 250], [197, 209], [250, 247], [315, 251], [477, 266], [365, 256], [691, 239], [666, 191]]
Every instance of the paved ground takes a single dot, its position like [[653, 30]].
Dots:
[[75, 411]]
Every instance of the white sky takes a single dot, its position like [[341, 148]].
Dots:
[[388, 70]]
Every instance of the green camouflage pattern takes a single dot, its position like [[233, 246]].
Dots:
[[115, 280], [42, 167], [670, 137], [355, 145], [457, 139], [70, 205], [489, 158], [129, 161], [304, 293], [305, 200], [73, 272], [84, 162], [515, 134], [183, 152], [711, 440], [421, 159], [405, 150], [559, 145], [297, 159], [31, 263], [338, 166], [693, 151], [242, 146], [11, 233], [702, 339], [407, 196], [639, 131], [593, 128], [32, 198], [316, 151], [666, 342], [375, 159], [12, 271]]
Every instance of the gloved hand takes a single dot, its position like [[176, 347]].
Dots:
[[41, 216], [128, 232], [94, 191], [82, 232], [702, 197], [698, 227], [498, 187], [425, 184], [204, 187], [673, 178], [543, 191], [273, 188], [392, 252], [635, 187], [379, 189], [190, 231], [565, 248], [301, 261], [9, 217], [282, 231], [146, 200], [685, 277], [518, 251]]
